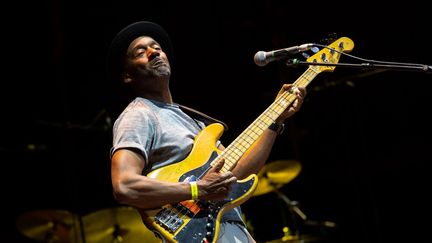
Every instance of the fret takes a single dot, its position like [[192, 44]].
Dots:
[[245, 140]]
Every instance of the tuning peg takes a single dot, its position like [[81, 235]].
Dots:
[[305, 55], [315, 49]]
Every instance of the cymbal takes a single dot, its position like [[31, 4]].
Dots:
[[48, 225], [275, 174], [118, 224]]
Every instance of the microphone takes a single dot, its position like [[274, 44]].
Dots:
[[262, 58]]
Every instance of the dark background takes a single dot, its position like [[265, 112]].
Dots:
[[362, 136]]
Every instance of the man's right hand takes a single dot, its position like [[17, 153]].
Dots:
[[216, 185]]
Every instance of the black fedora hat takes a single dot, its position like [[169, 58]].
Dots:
[[122, 40]]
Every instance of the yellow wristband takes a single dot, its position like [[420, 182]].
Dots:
[[194, 190]]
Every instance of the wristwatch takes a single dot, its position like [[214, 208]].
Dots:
[[277, 127]]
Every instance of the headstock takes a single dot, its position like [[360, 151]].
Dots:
[[331, 54]]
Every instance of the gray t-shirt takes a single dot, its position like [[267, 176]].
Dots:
[[162, 133]]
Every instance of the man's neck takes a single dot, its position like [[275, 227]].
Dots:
[[161, 97], [157, 90]]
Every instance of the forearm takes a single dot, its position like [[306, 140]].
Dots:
[[146, 193], [256, 156], [132, 188]]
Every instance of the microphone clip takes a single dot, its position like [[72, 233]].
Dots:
[[292, 62]]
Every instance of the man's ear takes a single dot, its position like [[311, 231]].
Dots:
[[127, 78]]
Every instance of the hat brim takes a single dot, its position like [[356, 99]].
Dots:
[[122, 40]]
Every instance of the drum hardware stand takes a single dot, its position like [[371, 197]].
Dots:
[[293, 208]]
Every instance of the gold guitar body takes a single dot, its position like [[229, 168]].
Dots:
[[192, 221]]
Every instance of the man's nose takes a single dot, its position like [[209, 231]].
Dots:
[[151, 52]]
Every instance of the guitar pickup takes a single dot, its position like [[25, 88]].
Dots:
[[169, 219]]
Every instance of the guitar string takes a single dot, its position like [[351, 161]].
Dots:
[[298, 82], [280, 103], [285, 96], [277, 108], [192, 206]]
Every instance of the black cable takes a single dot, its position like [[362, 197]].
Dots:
[[425, 67]]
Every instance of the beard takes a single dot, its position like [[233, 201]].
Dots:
[[160, 69]]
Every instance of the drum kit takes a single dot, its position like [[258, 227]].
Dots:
[[109, 225], [124, 224], [271, 178]]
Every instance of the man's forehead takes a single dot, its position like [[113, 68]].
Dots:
[[143, 40]]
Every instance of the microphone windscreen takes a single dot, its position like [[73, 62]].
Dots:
[[260, 58]]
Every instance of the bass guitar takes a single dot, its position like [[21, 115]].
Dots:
[[196, 221]]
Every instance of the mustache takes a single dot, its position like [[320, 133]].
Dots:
[[157, 61]]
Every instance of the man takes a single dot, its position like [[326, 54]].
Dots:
[[153, 133]]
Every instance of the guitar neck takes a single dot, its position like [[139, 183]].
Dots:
[[244, 141]]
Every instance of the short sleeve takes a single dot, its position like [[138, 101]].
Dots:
[[135, 128]]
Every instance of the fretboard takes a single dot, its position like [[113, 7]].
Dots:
[[244, 141]]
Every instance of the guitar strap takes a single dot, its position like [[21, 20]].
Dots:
[[206, 119]]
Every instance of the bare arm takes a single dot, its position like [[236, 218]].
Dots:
[[256, 156], [132, 188]]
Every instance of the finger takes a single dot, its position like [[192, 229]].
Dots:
[[299, 100], [294, 107], [287, 86], [223, 191], [303, 91], [300, 93], [228, 177], [219, 165], [231, 181], [284, 88]]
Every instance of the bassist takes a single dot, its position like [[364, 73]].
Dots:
[[152, 132]]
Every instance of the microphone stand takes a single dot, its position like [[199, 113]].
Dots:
[[397, 67]]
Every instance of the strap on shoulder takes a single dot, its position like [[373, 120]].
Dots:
[[201, 116]]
